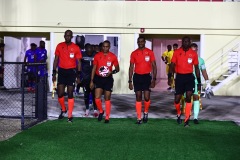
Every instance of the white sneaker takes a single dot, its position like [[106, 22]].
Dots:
[[87, 113], [95, 113]]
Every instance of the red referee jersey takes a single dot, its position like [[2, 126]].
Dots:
[[68, 55], [108, 60], [142, 60], [184, 61]]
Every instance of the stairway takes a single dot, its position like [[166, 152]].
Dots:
[[232, 71]]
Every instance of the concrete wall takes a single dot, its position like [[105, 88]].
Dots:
[[217, 21]]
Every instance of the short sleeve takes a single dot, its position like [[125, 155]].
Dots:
[[195, 62], [78, 53], [152, 57], [202, 67], [174, 57], [132, 59], [57, 51], [164, 54], [115, 62], [95, 60]]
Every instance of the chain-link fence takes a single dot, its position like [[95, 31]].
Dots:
[[23, 99]]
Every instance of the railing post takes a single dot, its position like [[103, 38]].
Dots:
[[238, 64], [22, 94]]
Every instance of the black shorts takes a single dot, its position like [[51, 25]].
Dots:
[[183, 83], [67, 76], [105, 83], [142, 82]]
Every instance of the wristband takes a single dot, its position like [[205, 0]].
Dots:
[[129, 81], [114, 71], [169, 75]]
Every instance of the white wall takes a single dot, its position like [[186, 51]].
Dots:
[[217, 21]]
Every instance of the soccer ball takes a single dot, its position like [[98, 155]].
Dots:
[[103, 71]]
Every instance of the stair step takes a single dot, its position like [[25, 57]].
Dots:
[[219, 81], [226, 75]]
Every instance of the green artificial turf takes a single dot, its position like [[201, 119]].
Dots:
[[87, 138]]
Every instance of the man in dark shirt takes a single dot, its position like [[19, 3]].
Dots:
[[87, 65]]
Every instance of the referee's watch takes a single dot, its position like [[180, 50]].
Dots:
[[129, 81]]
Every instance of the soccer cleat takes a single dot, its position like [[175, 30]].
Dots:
[[106, 121], [195, 121], [179, 120], [186, 124], [70, 120], [145, 117], [62, 114], [169, 88], [100, 116], [139, 121]]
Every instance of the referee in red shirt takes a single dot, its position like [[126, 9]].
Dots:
[[183, 61], [102, 78], [143, 64], [67, 59]]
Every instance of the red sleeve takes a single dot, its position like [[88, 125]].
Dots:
[[174, 57], [152, 56], [132, 60], [78, 53], [195, 62], [57, 52], [95, 60], [115, 62]]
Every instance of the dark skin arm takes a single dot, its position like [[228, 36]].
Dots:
[[79, 69], [164, 59], [92, 76], [55, 63], [154, 74], [197, 72], [25, 59], [205, 75], [171, 70], [130, 74]]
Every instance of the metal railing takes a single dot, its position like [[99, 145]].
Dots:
[[23, 99], [218, 64]]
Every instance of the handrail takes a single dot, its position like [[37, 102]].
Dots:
[[220, 65], [223, 54], [213, 60]]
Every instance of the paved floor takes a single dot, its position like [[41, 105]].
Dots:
[[123, 106]]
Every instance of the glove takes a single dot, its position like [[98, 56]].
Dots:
[[208, 90], [208, 86]]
